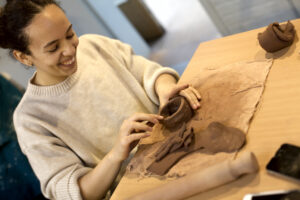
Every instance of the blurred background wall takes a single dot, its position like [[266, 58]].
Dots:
[[165, 31]]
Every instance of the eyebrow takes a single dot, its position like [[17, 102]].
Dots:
[[54, 41]]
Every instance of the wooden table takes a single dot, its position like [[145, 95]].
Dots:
[[276, 121]]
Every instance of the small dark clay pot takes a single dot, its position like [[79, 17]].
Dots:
[[176, 112]]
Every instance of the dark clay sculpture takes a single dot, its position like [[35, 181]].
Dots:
[[178, 139], [277, 37], [215, 138], [165, 158], [176, 112]]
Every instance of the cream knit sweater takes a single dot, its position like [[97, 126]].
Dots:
[[66, 129]]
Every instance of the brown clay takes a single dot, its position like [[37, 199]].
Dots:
[[215, 138], [176, 112], [229, 94], [277, 37], [178, 139], [220, 138], [167, 156], [162, 166]]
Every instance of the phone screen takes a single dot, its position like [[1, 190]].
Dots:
[[274, 195], [269, 197], [286, 161]]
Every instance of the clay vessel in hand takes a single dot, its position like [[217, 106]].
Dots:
[[176, 112]]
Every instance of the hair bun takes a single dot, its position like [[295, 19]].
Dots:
[[15, 16]]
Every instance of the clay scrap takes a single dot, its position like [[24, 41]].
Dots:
[[216, 138], [170, 152], [277, 36], [220, 138], [180, 138]]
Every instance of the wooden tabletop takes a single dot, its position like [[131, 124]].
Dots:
[[276, 120]]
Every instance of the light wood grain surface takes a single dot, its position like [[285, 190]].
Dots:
[[276, 120]]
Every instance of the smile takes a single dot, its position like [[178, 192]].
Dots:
[[69, 62]]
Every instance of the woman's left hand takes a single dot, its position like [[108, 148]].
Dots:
[[189, 92]]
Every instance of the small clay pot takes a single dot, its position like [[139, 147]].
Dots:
[[176, 112], [277, 37]]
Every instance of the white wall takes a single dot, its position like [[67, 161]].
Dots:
[[119, 25], [18, 72], [296, 3], [84, 20]]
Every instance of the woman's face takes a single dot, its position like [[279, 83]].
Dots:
[[52, 43]]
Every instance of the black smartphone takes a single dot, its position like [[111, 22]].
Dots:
[[274, 195], [286, 162]]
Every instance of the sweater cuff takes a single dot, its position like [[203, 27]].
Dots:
[[71, 190], [150, 84]]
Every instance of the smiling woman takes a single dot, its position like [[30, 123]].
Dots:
[[70, 122], [52, 46]]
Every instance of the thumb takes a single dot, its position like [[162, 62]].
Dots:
[[177, 89]]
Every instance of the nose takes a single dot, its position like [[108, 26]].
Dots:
[[69, 49]]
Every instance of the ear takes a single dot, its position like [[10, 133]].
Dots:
[[23, 58]]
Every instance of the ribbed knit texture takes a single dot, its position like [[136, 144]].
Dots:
[[55, 89], [66, 129]]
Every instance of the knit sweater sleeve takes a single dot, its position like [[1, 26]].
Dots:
[[55, 165], [145, 71]]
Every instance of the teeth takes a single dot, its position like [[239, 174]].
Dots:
[[69, 62]]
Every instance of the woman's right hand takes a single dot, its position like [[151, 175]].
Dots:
[[132, 130]]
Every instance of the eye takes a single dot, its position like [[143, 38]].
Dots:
[[53, 50], [70, 36]]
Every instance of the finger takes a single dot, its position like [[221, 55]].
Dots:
[[153, 118], [195, 92], [137, 136], [191, 98], [177, 89], [140, 127], [150, 124]]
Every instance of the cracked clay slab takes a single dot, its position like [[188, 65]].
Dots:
[[230, 95]]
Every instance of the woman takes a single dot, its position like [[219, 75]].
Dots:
[[86, 105]]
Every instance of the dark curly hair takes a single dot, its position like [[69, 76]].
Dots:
[[15, 16]]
